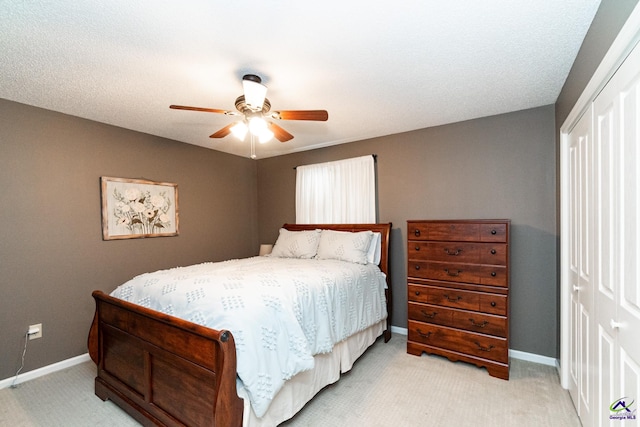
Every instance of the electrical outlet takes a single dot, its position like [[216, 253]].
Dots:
[[35, 331]]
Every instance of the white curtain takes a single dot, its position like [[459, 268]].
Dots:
[[338, 192]]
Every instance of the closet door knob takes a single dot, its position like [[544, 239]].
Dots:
[[617, 325]]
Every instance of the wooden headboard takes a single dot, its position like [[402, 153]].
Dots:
[[383, 229]]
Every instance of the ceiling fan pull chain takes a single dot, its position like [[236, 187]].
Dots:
[[253, 146]]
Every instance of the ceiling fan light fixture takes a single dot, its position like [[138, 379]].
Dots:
[[257, 125], [254, 92], [239, 130], [265, 136]]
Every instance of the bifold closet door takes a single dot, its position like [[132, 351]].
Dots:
[[616, 241], [581, 356]]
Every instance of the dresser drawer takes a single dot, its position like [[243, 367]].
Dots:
[[464, 252], [457, 231], [479, 345], [461, 319], [444, 231], [446, 297], [491, 275], [458, 298]]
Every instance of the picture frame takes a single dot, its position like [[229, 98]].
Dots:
[[138, 208]]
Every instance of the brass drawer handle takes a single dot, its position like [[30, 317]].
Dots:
[[478, 325], [457, 298], [457, 252], [429, 315], [453, 274], [483, 348], [423, 335]]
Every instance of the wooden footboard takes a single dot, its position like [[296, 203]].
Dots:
[[163, 370]]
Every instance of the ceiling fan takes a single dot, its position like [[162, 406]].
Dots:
[[255, 109]]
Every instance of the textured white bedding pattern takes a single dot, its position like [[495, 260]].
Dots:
[[281, 311]]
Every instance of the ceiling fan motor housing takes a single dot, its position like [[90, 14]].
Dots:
[[252, 77], [242, 106]]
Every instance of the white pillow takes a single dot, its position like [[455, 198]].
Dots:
[[345, 245], [296, 244], [373, 255]]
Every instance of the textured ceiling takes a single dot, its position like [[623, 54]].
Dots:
[[378, 67]]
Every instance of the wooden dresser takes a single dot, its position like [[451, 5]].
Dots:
[[458, 291]]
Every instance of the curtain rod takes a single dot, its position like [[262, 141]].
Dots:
[[375, 159]]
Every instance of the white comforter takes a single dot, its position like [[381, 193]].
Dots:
[[281, 311]]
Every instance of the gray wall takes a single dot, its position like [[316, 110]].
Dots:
[[52, 255], [495, 167]]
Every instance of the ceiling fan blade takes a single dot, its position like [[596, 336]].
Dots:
[[223, 132], [280, 134], [206, 110], [318, 115]]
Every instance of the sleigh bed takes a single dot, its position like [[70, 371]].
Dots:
[[164, 370]]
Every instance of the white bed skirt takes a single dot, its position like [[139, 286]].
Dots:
[[301, 388]]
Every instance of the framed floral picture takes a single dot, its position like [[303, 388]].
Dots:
[[137, 208]]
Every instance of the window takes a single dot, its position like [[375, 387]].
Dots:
[[337, 192]]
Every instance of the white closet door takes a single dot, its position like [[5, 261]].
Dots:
[[581, 290], [616, 244]]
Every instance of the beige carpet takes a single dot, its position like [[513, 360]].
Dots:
[[386, 388]]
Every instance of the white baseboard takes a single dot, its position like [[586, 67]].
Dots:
[[30, 375], [535, 358], [399, 330], [516, 354]]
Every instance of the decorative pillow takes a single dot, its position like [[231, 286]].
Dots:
[[345, 245], [373, 255], [296, 244]]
